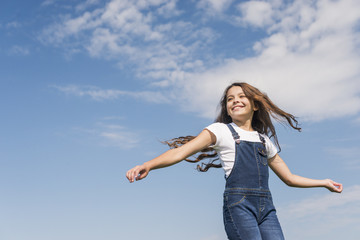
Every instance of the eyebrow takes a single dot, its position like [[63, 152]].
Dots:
[[231, 95]]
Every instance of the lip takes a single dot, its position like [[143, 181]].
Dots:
[[236, 106]]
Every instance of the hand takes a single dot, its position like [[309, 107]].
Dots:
[[333, 186], [137, 173]]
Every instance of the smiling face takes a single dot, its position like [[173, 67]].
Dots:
[[239, 107]]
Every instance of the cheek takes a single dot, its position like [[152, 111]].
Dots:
[[250, 103], [227, 108]]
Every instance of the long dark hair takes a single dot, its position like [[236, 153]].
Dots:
[[261, 122]]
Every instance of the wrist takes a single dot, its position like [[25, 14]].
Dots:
[[326, 183], [147, 166]]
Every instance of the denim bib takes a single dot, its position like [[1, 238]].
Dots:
[[248, 209]]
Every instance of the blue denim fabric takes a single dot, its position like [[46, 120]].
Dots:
[[249, 213]]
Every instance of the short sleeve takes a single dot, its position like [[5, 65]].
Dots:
[[218, 130], [270, 147]]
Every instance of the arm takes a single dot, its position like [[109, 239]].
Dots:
[[282, 171], [172, 156]]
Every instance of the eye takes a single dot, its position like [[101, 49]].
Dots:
[[229, 99]]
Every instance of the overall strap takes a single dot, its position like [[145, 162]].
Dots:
[[262, 139], [234, 133], [237, 137]]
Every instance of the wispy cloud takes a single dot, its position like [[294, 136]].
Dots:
[[10, 25], [255, 13], [213, 237], [115, 135], [13, 24], [109, 133], [307, 62], [134, 31], [88, 3], [347, 155], [121, 139], [329, 216], [18, 50], [48, 2], [212, 7], [357, 120], [99, 94]]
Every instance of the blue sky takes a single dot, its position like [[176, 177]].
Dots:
[[90, 88]]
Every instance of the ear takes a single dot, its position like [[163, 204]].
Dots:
[[255, 107]]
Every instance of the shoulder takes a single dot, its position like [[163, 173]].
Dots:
[[270, 147], [221, 132], [216, 126], [267, 139]]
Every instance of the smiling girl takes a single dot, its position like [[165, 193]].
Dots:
[[240, 137]]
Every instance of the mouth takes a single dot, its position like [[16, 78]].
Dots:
[[236, 107]]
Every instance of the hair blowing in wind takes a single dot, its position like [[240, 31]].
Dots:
[[261, 122]]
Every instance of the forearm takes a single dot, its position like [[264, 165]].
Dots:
[[303, 182], [283, 172], [166, 159], [172, 156]]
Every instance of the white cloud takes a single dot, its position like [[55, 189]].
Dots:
[[307, 63], [123, 17], [109, 133], [169, 9], [330, 216], [48, 2], [131, 31], [86, 4], [357, 120], [19, 50], [213, 237], [214, 6], [13, 24], [308, 67], [107, 94], [256, 13], [121, 139]]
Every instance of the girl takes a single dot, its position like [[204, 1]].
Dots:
[[240, 136]]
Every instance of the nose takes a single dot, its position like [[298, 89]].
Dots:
[[236, 100]]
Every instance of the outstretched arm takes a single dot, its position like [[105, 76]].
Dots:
[[172, 156], [292, 180]]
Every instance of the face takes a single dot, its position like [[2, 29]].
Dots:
[[239, 107]]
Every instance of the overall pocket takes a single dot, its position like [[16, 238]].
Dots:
[[232, 200], [262, 156]]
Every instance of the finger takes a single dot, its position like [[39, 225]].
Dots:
[[337, 187], [333, 182], [128, 176], [135, 173], [140, 173], [336, 184], [132, 173]]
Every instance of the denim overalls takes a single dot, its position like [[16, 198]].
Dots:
[[249, 213]]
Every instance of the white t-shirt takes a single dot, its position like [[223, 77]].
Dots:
[[225, 144]]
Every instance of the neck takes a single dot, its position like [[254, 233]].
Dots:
[[244, 125]]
